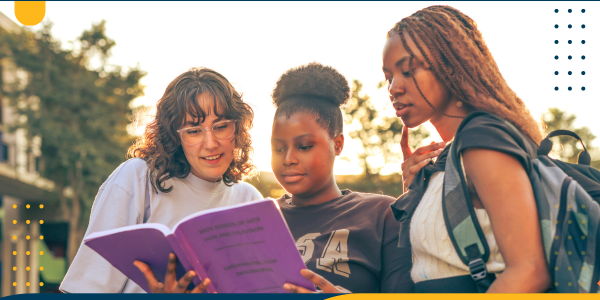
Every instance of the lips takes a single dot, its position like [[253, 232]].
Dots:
[[292, 177], [213, 159], [400, 108]]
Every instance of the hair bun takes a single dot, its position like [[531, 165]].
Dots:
[[312, 80]]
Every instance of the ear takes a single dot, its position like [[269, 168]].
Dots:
[[338, 144]]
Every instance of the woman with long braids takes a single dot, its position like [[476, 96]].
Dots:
[[439, 69]]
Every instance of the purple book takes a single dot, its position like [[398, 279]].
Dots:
[[245, 248]]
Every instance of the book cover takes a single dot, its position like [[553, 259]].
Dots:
[[245, 248]]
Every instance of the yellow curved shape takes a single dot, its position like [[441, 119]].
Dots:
[[466, 297], [30, 13]]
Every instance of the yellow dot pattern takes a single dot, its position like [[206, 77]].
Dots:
[[28, 237]]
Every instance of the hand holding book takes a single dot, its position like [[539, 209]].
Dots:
[[171, 284], [244, 248]]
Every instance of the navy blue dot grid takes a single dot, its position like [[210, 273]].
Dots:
[[570, 40]]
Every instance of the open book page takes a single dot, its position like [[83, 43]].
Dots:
[[243, 249], [144, 242]]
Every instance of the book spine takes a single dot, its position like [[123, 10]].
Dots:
[[182, 257], [192, 260]]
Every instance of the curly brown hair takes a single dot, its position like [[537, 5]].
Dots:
[[160, 145], [465, 64]]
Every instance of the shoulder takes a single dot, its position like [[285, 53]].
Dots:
[[246, 189], [133, 167], [369, 201], [484, 121], [485, 130], [128, 174]]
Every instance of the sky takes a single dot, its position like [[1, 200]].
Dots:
[[253, 43]]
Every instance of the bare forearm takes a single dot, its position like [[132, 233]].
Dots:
[[513, 280]]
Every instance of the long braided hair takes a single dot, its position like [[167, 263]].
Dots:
[[464, 64]]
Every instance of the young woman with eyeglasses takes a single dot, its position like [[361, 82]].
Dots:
[[192, 156]]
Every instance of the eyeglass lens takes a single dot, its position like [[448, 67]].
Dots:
[[220, 130]]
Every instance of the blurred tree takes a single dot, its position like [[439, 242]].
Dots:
[[378, 135], [380, 139], [567, 148], [79, 106]]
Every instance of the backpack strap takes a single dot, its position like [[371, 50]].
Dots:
[[461, 221]]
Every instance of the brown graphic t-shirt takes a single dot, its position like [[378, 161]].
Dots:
[[352, 241]]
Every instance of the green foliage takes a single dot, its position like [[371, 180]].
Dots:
[[567, 148], [378, 135], [77, 104]]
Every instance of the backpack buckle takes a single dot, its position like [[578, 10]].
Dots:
[[478, 269]]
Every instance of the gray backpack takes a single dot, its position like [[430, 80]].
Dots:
[[567, 196]]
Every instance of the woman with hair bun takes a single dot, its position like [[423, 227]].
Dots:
[[347, 239], [193, 156]]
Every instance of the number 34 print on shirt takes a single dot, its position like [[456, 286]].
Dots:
[[352, 241], [334, 255]]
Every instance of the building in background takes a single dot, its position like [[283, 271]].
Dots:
[[26, 202]]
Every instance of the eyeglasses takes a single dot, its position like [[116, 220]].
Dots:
[[195, 135]]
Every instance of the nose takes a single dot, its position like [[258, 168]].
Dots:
[[290, 158], [396, 88], [209, 141]]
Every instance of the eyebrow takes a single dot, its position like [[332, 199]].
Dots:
[[398, 63], [190, 123], [297, 138]]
